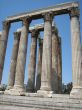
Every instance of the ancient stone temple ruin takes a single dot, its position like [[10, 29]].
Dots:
[[47, 92]]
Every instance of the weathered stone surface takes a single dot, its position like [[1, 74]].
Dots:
[[1, 92], [54, 74], [47, 58], [3, 45], [0, 75], [0, 34], [39, 65], [59, 66], [57, 102], [37, 14], [44, 98], [13, 60], [32, 64], [56, 61], [38, 27], [76, 54], [21, 60]]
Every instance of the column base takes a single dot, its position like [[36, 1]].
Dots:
[[16, 90], [45, 93], [1, 92], [9, 87], [0, 87], [30, 90], [76, 93], [7, 92]]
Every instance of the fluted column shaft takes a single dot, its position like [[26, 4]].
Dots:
[[21, 60], [3, 45], [46, 57], [76, 54], [32, 64], [13, 60], [59, 66], [55, 46], [0, 34], [0, 44], [39, 65]]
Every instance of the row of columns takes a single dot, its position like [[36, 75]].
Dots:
[[47, 54], [32, 64]]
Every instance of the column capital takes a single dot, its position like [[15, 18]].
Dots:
[[6, 24], [26, 20], [48, 16], [34, 33], [74, 12], [17, 35]]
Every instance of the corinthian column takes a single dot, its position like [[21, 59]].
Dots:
[[3, 45], [47, 56], [0, 44], [39, 65], [13, 60], [76, 54], [0, 34], [59, 66], [55, 45], [56, 62], [21, 60], [32, 64]]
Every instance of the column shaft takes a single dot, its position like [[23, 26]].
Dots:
[[32, 64], [21, 60], [0, 46], [46, 57], [13, 60], [0, 34], [59, 66], [55, 60], [39, 65], [3, 45], [76, 54]]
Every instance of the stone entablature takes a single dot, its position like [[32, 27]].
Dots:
[[63, 8]]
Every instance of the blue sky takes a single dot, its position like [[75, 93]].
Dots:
[[11, 7]]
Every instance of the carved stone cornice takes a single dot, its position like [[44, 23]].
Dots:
[[74, 12], [48, 16], [37, 14], [6, 24]]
